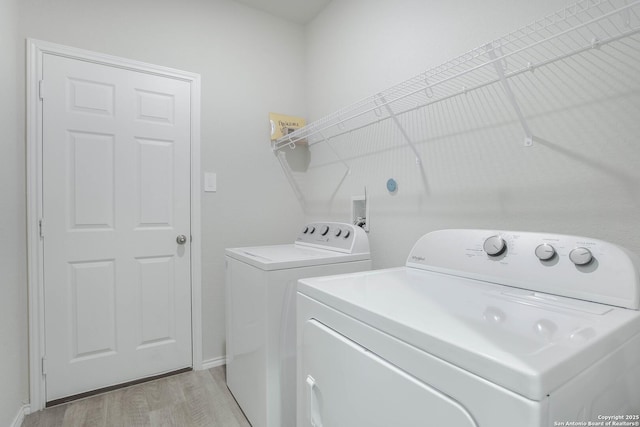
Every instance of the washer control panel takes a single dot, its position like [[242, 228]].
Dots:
[[336, 236], [572, 266]]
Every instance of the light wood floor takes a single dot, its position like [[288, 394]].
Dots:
[[191, 399]]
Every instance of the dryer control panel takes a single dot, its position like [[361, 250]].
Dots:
[[570, 266], [335, 236]]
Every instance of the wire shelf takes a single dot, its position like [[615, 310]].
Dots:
[[585, 25]]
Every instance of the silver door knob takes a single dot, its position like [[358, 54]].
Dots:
[[181, 239]]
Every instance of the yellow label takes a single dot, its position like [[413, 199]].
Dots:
[[282, 125]]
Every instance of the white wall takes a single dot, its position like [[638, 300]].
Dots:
[[14, 374], [581, 177], [356, 48], [582, 180], [251, 63]]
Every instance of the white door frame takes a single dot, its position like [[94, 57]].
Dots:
[[36, 49]]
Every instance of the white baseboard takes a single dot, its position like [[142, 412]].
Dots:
[[212, 363], [24, 410]]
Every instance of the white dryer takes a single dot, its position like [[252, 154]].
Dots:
[[480, 328], [260, 301]]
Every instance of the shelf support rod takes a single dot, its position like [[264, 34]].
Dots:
[[404, 133], [528, 136], [335, 152]]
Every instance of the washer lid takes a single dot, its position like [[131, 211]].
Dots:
[[526, 341], [279, 257]]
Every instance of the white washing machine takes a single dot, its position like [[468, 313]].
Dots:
[[480, 328], [261, 289]]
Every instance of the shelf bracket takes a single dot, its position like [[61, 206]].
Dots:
[[626, 15], [428, 90], [282, 143], [335, 152], [404, 133], [491, 50], [291, 144]]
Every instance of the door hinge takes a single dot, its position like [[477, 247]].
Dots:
[[41, 227], [41, 89], [44, 365]]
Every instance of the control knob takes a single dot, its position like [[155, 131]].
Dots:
[[494, 246], [545, 252], [580, 256], [324, 230], [338, 232]]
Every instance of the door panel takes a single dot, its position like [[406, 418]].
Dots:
[[91, 173], [157, 314], [155, 190], [92, 314], [116, 193]]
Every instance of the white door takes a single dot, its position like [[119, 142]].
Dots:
[[116, 195]]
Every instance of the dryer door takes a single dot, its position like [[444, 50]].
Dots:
[[344, 384]]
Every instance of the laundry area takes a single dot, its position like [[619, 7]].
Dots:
[[320, 213]]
